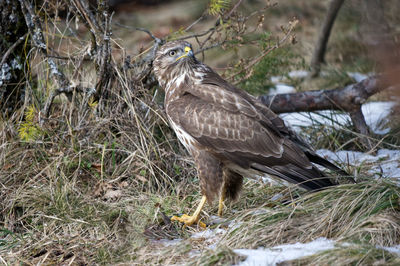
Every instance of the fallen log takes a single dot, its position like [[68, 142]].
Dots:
[[348, 99]]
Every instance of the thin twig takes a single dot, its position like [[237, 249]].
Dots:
[[195, 35], [195, 22], [11, 48], [147, 61], [234, 8], [266, 52], [157, 40]]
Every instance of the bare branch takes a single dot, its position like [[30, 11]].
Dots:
[[195, 22], [12, 47], [148, 60], [234, 8]]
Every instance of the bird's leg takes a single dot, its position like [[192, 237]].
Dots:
[[190, 220], [221, 201]]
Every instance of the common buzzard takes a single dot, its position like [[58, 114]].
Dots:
[[229, 133]]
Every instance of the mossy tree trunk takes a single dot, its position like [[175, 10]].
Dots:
[[13, 50]]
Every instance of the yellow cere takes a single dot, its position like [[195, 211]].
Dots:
[[187, 50]]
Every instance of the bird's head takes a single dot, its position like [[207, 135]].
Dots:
[[171, 58]]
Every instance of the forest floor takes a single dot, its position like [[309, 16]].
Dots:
[[100, 190]]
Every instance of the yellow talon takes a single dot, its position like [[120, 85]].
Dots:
[[190, 220], [221, 202]]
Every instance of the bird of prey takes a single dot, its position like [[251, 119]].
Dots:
[[229, 133]]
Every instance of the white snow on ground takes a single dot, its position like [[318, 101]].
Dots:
[[375, 114], [298, 73], [394, 249], [211, 237], [305, 119], [291, 74], [385, 162], [208, 233], [281, 88], [274, 255], [303, 74], [357, 76], [276, 79], [168, 242]]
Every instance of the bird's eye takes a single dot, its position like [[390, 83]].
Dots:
[[172, 53]]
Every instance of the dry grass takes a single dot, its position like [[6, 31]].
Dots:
[[367, 212], [352, 254], [91, 187]]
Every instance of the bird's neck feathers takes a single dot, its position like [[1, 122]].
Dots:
[[177, 79]]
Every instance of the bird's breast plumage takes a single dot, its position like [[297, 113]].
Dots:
[[185, 138]]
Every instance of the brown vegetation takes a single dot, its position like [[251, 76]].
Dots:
[[89, 167]]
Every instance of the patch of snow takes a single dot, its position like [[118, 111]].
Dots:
[[305, 119], [168, 242], [281, 88], [5, 73], [234, 225], [298, 74], [216, 219], [208, 233], [389, 153], [291, 74], [385, 162], [375, 114], [210, 237], [15, 63], [394, 249], [277, 197], [276, 79], [274, 255], [357, 76]]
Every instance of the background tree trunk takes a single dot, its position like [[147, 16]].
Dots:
[[323, 37], [13, 45]]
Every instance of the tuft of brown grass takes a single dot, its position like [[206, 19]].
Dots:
[[367, 212], [350, 254]]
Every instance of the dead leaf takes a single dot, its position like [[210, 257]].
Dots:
[[96, 166], [113, 194], [7, 166], [123, 184], [101, 188]]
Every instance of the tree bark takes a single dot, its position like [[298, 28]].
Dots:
[[13, 31], [344, 99], [323, 37]]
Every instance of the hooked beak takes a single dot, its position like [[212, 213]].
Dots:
[[188, 52]]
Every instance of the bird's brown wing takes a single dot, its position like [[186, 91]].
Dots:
[[212, 80], [232, 129]]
